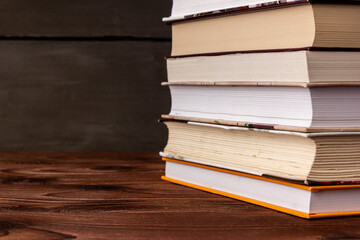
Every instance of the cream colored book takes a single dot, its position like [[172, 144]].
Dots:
[[297, 26], [305, 157], [274, 68]]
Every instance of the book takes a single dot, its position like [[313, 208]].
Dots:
[[295, 199], [297, 26], [201, 8], [293, 66], [303, 157], [194, 8], [282, 107]]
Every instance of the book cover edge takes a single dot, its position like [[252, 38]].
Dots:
[[281, 128], [277, 180], [263, 204]]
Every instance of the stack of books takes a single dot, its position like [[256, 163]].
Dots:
[[266, 103]]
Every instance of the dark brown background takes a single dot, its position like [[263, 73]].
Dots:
[[83, 75]]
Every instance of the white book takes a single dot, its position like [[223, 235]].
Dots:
[[191, 8], [299, 107], [295, 199]]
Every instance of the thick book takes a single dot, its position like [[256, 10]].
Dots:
[[303, 157], [295, 199], [297, 26], [296, 66], [326, 108]]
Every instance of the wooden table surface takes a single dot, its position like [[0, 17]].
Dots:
[[121, 196]]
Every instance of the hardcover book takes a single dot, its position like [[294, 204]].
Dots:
[[296, 199], [305, 157], [188, 9], [298, 26], [292, 66], [330, 108]]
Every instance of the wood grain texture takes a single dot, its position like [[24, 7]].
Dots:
[[121, 196], [82, 95], [84, 18]]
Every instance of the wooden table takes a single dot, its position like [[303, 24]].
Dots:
[[121, 196]]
